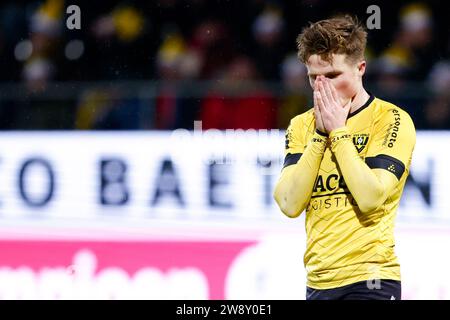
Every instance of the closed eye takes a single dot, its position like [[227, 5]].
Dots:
[[330, 75], [333, 75]]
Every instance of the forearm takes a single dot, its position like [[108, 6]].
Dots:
[[294, 188], [369, 189]]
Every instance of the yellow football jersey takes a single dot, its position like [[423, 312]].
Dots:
[[343, 248]]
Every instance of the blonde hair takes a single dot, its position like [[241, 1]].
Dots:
[[337, 35]]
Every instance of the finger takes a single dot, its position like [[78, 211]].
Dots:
[[316, 101], [328, 93], [317, 114], [320, 103], [316, 106], [323, 96]]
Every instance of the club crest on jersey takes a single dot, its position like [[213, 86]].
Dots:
[[360, 141]]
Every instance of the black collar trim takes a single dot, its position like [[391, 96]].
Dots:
[[365, 105]]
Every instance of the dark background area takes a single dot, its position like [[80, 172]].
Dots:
[[161, 65]]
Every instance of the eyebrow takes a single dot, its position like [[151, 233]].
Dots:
[[330, 73]]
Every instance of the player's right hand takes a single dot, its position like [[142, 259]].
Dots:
[[317, 114]]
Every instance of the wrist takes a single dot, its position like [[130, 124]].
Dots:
[[319, 143], [322, 133], [338, 135], [338, 131]]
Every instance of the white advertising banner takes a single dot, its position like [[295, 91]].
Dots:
[[199, 202], [185, 175]]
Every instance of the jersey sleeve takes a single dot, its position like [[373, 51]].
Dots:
[[393, 142], [294, 143], [301, 165]]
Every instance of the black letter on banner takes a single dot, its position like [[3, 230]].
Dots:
[[167, 183], [217, 182], [113, 189], [51, 182]]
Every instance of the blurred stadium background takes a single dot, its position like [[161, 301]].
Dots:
[[122, 179]]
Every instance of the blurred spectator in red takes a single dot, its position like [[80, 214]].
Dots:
[[238, 102], [295, 83]]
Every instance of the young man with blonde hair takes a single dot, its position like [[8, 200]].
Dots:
[[346, 163]]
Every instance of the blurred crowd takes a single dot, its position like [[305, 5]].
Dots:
[[230, 64]]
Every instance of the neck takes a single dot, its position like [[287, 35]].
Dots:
[[359, 100]]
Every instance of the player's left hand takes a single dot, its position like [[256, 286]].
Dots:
[[334, 114]]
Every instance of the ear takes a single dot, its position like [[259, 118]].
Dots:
[[362, 67]]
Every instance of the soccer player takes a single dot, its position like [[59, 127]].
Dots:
[[346, 163]]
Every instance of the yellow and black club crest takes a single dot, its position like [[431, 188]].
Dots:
[[360, 141]]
